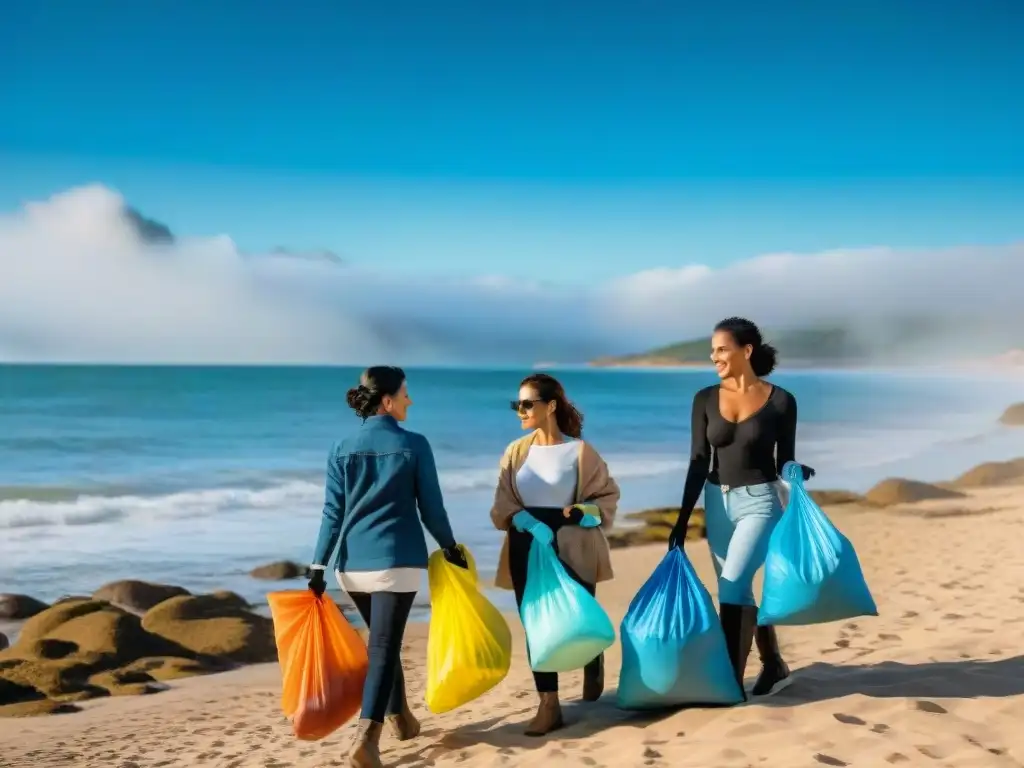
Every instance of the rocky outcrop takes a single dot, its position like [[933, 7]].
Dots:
[[1013, 416], [215, 625], [19, 607], [898, 490], [992, 473], [279, 571], [81, 648], [137, 596], [655, 527]]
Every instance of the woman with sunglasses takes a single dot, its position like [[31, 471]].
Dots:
[[555, 488]]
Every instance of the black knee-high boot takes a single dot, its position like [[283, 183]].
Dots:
[[738, 623], [775, 673]]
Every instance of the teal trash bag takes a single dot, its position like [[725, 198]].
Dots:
[[811, 573], [566, 628], [673, 647]]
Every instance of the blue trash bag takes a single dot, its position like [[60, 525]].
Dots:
[[811, 573], [566, 628], [673, 648]]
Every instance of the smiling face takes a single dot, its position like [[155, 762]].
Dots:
[[533, 412], [397, 405], [730, 358]]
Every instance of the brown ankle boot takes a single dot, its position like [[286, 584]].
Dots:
[[365, 751], [548, 717], [404, 725]]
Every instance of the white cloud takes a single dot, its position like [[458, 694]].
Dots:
[[76, 283]]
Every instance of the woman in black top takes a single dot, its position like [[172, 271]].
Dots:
[[743, 432]]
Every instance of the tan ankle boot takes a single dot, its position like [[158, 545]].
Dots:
[[365, 751], [548, 717], [404, 725]]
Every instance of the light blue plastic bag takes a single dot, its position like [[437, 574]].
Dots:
[[566, 628], [673, 648], [811, 573]]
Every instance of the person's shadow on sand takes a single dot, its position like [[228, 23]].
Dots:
[[968, 679], [582, 721]]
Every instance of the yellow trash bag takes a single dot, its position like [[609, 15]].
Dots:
[[469, 646]]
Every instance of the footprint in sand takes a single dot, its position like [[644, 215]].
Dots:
[[842, 643], [897, 757], [931, 752], [930, 706], [880, 728], [848, 719], [888, 636], [829, 760]]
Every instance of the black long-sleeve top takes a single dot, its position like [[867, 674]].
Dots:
[[748, 452]]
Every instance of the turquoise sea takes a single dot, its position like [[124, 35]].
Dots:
[[193, 475]]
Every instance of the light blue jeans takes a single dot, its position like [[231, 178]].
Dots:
[[740, 521]]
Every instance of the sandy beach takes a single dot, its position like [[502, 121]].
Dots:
[[936, 680]]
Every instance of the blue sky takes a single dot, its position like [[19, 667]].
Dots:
[[569, 141]]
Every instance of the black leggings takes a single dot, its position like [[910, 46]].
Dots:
[[386, 614], [518, 557]]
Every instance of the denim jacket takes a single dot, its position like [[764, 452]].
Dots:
[[376, 479]]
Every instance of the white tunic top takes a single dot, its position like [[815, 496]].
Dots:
[[548, 477]]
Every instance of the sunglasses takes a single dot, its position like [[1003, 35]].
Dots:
[[524, 406]]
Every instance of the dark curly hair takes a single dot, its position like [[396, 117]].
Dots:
[[375, 383], [763, 357]]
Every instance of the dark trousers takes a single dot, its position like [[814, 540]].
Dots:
[[518, 558], [386, 614]]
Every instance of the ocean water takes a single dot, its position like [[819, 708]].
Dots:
[[193, 476]]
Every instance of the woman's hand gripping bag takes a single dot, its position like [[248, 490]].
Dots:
[[323, 662], [673, 648], [469, 645], [811, 573], [566, 628]]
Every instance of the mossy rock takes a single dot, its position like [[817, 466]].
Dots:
[[214, 625], [992, 473], [61, 649], [657, 527], [43, 623], [897, 490], [126, 682], [13, 691], [63, 680], [36, 708], [137, 596], [166, 668]]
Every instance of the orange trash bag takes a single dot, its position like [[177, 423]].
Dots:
[[323, 662]]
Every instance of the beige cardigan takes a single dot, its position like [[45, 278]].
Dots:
[[585, 550]]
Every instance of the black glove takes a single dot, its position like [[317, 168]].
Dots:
[[575, 515], [455, 556], [317, 585], [677, 537], [808, 472]]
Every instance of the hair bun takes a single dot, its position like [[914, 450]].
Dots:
[[356, 397]]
